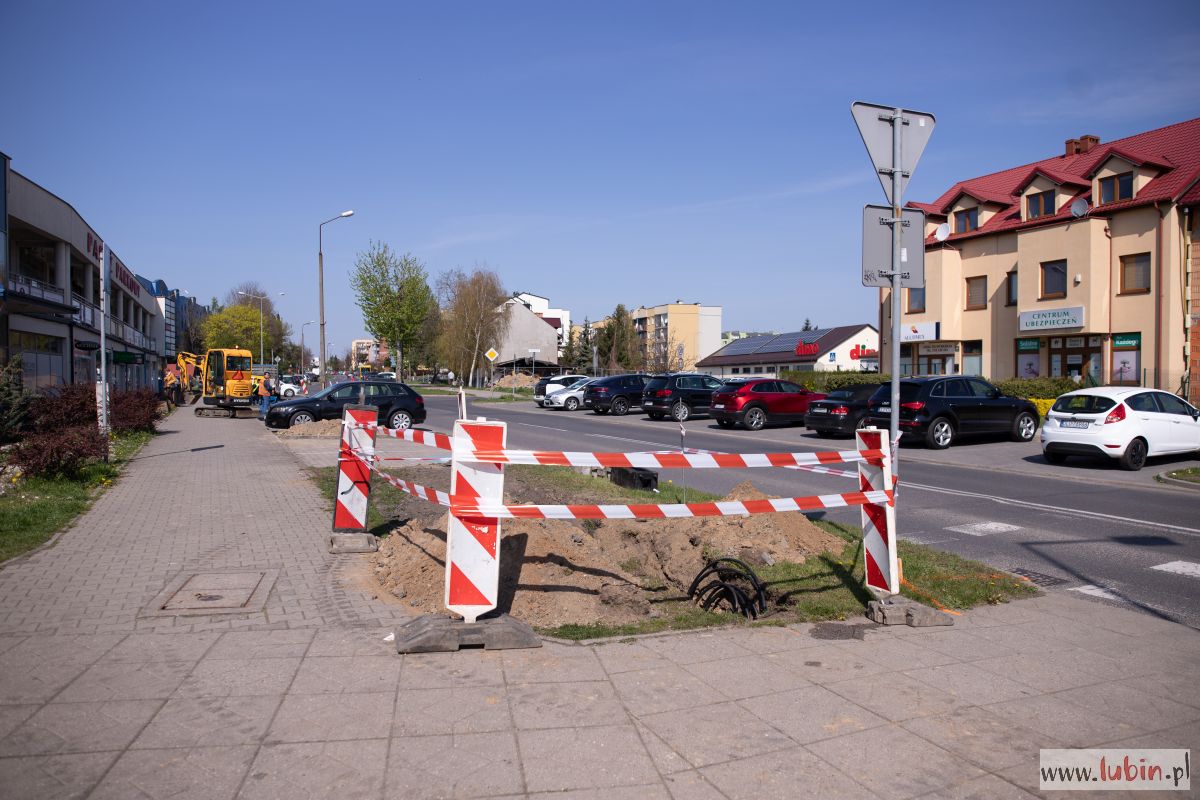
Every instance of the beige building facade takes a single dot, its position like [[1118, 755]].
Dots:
[[1075, 266], [674, 336]]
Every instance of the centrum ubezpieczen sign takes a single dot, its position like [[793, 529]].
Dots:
[[1045, 318]]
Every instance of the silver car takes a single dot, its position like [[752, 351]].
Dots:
[[570, 398], [555, 384]]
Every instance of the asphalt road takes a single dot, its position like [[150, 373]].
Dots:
[[1083, 527]]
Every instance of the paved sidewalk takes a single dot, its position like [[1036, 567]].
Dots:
[[102, 698]]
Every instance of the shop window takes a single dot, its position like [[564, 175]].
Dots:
[[1029, 360], [916, 301], [1135, 274], [1010, 289], [972, 357], [906, 355], [1041, 205], [1054, 280], [1116, 188], [966, 220], [977, 293], [1126, 359]]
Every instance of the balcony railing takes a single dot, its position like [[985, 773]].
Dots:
[[85, 312], [19, 284]]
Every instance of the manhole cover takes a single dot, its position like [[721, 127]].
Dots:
[[214, 593], [1039, 578]]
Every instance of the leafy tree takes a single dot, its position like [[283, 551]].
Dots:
[[664, 356], [474, 317], [335, 364], [275, 330], [235, 326], [570, 355], [393, 293], [619, 346]]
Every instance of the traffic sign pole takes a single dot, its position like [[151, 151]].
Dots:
[[897, 232]]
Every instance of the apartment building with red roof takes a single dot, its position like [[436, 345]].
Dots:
[[1083, 264]]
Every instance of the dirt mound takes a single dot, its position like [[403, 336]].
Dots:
[[557, 572], [521, 380], [322, 428]]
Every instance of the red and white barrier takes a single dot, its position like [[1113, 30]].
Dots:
[[354, 472], [473, 538], [723, 508], [878, 519]]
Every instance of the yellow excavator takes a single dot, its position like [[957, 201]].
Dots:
[[225, 382]]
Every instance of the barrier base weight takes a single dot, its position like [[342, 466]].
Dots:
[[353, 543], [437, 634]]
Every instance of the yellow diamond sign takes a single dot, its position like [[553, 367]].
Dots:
[[491, 354]]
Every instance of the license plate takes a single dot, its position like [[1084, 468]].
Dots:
[[718, 405], [819, 410], [1075, 423], [647, 403], [884, 409]]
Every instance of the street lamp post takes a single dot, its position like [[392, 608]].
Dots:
[[260, 299], [303, 364], [321, 282]]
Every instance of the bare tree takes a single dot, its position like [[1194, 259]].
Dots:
[[664, 355], [474, 317]]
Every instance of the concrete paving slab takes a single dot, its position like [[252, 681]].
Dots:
[[665, 759], [189, 722], [69, 776], [200, 773], [262, 644], [444, 670], [1063, 721], [651, 691], [691, 785], [782, 775], [989, 741], [988, 787], [326, 769], [565, 705], [346, 675], [710, 734], [812, 713], [827, 664], [188, 648], [462, 709], [1145, 710], [132, 681], [898, 697], [329, 718], [970, 684], [80, 728], [235, 677], [621, 656], [584, 758], [551, 663], [747, 676], [695, 647], [462, 765]]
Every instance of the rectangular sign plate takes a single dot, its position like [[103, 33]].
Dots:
[[877, 247]]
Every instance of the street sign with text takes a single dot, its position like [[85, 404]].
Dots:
[[877, 247], [875, 127]]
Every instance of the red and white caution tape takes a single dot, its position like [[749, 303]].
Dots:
[[427, 438], [724, 508], [415, 489], [675, 460]]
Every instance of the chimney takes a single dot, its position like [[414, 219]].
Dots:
[[1087, 142], [1072, 147]]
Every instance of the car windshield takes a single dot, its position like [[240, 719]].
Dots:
[[908, 392], [654, 384], [731, 386], [1083, 404], [840, 394], [237, 362]]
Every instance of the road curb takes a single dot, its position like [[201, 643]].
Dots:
[[1165, 477]]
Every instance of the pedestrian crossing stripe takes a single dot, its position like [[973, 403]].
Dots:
[[1188, 568], [1098, 591]]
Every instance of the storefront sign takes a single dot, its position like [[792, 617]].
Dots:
[[920, 332], [95, 247], [1123, 341], [940, 349], [1028, 345], [807, 349], [1075, 341], [125, 277], [86, 346], [861, 352], [125, 357], [1095, 341], [1071, 317]]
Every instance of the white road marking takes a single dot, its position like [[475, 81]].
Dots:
[[1074, 512], [659, 445], [1098, 591], [984, 528], [1188, 568], [543, 427]]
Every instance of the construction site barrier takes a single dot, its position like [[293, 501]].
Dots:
[[476, 498], [354, 476]]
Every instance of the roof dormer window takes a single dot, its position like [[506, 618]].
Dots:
[[1115, 188], [966, 220], [1040, 204]]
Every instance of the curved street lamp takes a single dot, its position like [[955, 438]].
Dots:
[[321, 282]]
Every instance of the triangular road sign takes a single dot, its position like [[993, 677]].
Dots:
[[877, 136]]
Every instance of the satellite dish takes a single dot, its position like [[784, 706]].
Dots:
[[943, 232], [1079, 208]]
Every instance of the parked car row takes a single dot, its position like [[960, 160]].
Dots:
[[399, 405]]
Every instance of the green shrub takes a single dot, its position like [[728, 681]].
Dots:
[[1049, 388], [828, 381]]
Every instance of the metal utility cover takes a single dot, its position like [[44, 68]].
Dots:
[[877, 136], [877, 247], [244, 591]]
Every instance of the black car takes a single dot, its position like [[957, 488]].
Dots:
[[940, 408], [680, 394], [842, 411], [399, 406], [616, 393]]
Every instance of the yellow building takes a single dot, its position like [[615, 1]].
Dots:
[[1077, 265], [663, 330]]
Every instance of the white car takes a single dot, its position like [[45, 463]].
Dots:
[[548, 386], [569, 399], [287, 388], [1125, 423]]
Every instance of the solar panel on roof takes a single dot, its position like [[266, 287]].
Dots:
[[741, 347], [783, 343]]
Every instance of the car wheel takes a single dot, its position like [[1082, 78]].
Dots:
[[654, 415], [681, 412], [862, 423], [290, 393], [755, 419], [600, 411], [724, 423], [1024, 427], [400, 421], [940, 434], [300, 418], [571, 404], [1135, 455], [620, 407], [1054, 458]]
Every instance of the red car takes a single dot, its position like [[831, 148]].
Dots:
[[756, 402]]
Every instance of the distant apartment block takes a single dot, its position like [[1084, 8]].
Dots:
[[677, 335]]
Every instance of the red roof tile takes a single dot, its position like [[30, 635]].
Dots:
[[1174, 149]]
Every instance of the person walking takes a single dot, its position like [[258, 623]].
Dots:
[[266, 392]]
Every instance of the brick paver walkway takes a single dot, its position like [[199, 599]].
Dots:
[[305, 699]]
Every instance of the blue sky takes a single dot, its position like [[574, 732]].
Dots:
[[594, 153]]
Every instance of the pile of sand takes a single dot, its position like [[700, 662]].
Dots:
[[521, 380], [556, 572], [323, 428]]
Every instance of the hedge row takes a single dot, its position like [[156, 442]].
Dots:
[[1046, 388]]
